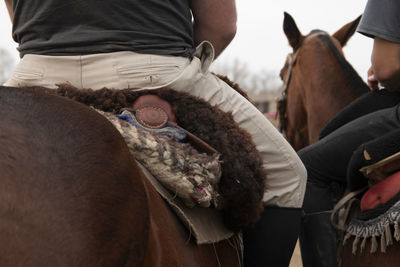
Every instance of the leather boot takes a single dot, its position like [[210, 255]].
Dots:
[[272, 240]]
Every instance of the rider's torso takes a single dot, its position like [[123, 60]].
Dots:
[[76, 27]]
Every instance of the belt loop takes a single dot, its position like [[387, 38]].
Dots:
[[205, 52]]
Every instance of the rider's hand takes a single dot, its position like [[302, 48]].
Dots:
[[372, 81]]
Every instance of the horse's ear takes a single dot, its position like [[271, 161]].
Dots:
[[291, 31], [344, 33]]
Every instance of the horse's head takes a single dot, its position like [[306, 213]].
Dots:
[[315, 66]]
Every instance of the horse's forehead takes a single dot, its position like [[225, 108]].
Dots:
[[316, 36], [309, 42], [313, 36]]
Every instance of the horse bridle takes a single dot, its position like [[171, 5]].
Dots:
[[291, 61]]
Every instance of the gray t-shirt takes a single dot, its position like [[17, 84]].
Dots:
[[78, 27], [381, 18]]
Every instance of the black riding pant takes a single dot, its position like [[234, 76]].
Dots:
[[326, 162], [272, 240]]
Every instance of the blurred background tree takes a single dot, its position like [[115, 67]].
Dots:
[[254, 82], [262, 86], [7, 64]]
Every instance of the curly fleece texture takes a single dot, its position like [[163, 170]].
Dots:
[[243, 180]]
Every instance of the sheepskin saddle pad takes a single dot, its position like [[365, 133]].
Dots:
[[193, 148], [372, 214], [191, 175]]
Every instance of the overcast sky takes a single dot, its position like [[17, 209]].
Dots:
[[260, 41]]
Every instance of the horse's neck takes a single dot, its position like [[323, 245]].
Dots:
[[296, 130], [328, 89]]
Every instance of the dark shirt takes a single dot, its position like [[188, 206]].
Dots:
[[381, 18], [79, 27]]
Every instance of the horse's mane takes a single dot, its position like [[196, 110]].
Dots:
[[351, 75]]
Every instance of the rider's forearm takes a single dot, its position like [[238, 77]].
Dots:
[[9, 8], [214, 21], [386, 63]]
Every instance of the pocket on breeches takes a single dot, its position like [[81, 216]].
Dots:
[[27, 74], [147, 76]]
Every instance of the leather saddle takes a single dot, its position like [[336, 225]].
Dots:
[[153, 112]]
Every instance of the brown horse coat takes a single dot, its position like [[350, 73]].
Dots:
[[70, 190], [319, 81], [243, 180], [72, 194], [321, 84]]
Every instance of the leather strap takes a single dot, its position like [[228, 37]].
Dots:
[[154, 112]]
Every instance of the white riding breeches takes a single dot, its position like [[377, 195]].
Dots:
[[286, 175]]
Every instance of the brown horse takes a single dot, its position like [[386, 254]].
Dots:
[[318, 84], [318, 81], [71, 193]]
